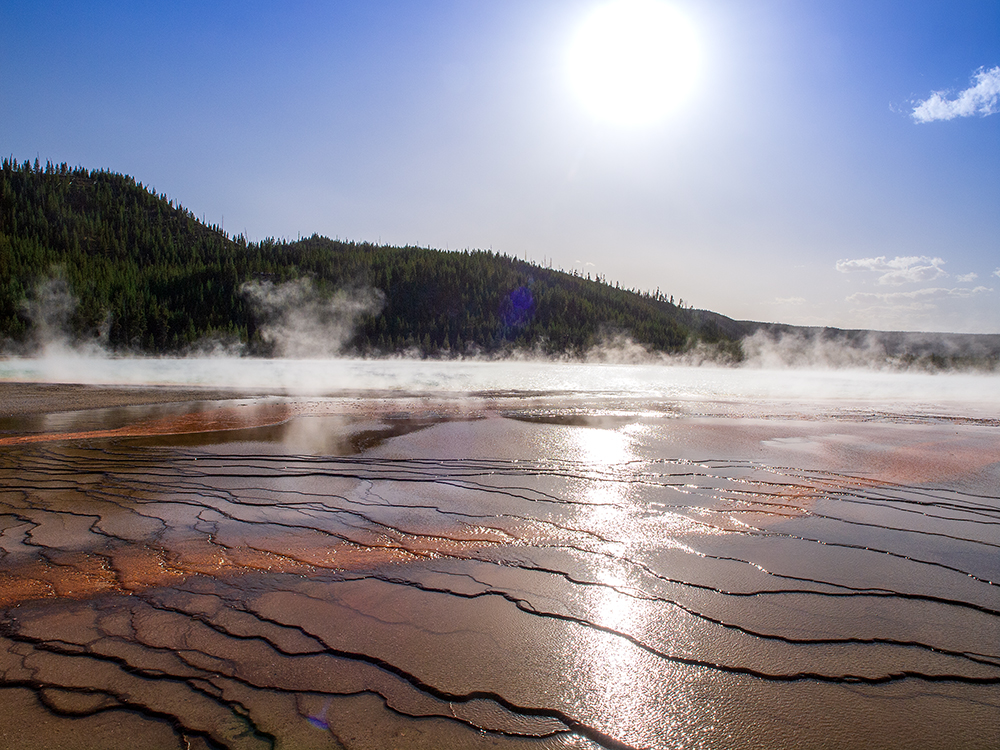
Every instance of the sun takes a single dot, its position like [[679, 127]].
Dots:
[[632, 62]]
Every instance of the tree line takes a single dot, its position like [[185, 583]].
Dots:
[[146, 276]]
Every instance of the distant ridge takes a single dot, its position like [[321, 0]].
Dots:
[[94, 258]]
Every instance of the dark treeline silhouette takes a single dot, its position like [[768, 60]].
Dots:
[[146, 276]]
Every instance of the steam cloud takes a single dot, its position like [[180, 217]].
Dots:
[[830, 349], [50, 311], [302, 323], [980, 98], [767, 351]]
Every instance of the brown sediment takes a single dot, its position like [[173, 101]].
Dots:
[[129, 569], [215, 420], [258, 410], [934, 460], [19, 399], [497, 578], [877, 452]]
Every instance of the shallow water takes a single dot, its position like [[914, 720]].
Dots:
[[570, 566]]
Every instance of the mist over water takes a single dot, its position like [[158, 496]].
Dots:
[[307, 329], [894, 390]]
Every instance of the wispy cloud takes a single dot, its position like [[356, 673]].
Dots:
[[997, 273], [919, 298], [790, 300], [899, 270], [980, 98], [965, 278]]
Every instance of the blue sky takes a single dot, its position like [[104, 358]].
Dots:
[[794, 184]]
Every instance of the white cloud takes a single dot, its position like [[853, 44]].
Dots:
[[965, 278], [997, 273], [790, 300], [899, 270], [980, 98]]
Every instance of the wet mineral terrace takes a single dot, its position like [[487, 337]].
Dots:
[[502, 572]]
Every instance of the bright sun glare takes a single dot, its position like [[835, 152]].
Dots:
[[632, 62]]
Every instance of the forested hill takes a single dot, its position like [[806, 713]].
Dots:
[[94, 255]]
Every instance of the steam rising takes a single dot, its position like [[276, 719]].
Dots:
[[51, 310], [299, 322], [309, 331], [787, 350], [832, 349]]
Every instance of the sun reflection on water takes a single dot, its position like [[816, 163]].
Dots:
[[621, 672], [626, 688]]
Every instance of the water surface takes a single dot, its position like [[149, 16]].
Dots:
[[410, 555]]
